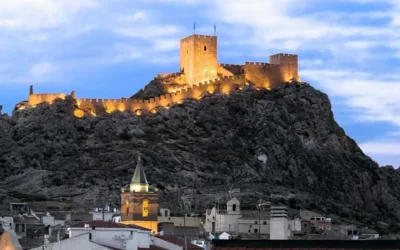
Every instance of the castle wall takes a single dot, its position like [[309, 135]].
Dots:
[[35, 99], [223, 84], [262, 75], [172, 81], [199, 58], [288, 66]]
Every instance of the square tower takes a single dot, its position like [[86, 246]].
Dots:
[[288, 66], [198, 58], [139, 203]]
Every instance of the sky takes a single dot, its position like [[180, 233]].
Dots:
[[349, 49]]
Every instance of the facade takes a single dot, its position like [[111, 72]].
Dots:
[[237, 221], [279, 226], [139, 202], [199, 73], [74, 218], [321, 223], [105, 214], [176, 225]]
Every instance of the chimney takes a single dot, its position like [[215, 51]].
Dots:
[[46, 239]]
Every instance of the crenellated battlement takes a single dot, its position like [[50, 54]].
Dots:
[[229, 65], [284, 55], [203, 37], [165, 75]]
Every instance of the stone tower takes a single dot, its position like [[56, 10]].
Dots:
[[198, 58], [288, 66], [139, 202]]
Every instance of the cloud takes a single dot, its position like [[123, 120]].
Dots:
[[39, 14], [381, 148], [41, 70]]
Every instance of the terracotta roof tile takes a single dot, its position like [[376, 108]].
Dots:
[[152, 247], [106, 224], [178, 241]]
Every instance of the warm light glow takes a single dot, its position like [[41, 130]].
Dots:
[[139, 188], [152, 225], [138, 112], [121, 107], [226, 89], [79, 113], [153, 111], [78, 103], [145, 208]]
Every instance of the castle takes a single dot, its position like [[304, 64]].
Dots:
[[199, 73]]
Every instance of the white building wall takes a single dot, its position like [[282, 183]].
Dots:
[[223, 222], [249, 224], [165, 244], [108, 216], [279, 229], [7, 222], [59, 222], [116, 219], [79, 242], [115, 237], [48, 220]]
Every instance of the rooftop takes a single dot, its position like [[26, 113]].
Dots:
[[107, 224], [178, 241]]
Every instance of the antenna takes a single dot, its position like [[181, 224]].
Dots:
[[260, 205], [215, 29], [233, 192], [194, 28]]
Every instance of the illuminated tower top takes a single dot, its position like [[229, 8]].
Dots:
[[139, 181]]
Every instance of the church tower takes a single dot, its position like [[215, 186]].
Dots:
[[139, 202], [198, 58]]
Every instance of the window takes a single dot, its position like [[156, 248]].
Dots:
[[249, 231], [205, 48], [250, 226], [256, 230], [234, 207], [166, 213], [145, 208], [305, 225], [256, 222], [265, 223]]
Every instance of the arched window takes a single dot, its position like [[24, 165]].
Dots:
[[205, 48], [234, 207]]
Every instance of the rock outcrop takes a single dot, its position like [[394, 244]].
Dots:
[[282, 144]]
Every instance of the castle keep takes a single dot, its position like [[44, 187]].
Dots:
[[199, 73]]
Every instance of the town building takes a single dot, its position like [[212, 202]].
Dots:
[[178, 225], [105, 235], [139, 201], [237, 221]]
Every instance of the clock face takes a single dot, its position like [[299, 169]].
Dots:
[[145, 208]]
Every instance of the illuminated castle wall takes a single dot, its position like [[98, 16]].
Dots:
[[199, 73]]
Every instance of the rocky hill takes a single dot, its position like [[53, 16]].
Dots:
[[282, 144]]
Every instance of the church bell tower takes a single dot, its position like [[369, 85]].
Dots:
[[139, 202]]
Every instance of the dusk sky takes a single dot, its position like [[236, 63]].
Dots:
[[349, 49]]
